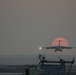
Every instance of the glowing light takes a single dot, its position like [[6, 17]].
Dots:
[[63, 42], [40, 47]]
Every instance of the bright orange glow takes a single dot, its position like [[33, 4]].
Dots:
[[63, 42]]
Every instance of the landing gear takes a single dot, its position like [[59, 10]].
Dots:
[[55, 50], [61, 50]]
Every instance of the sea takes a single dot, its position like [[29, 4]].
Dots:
[[11, 74]]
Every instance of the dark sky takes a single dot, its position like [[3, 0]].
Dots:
[[27, 24]]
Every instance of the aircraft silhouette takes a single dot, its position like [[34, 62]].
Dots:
[[58, 47]]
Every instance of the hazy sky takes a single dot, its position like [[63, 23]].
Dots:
[[27, 24]]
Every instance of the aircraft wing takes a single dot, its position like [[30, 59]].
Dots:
[[64, 47], [53, 47]]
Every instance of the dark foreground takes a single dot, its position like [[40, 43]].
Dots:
[[21, 69]]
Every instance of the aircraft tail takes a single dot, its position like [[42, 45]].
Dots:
[[59, 42]]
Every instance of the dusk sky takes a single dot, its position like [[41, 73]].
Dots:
[[27, 24]]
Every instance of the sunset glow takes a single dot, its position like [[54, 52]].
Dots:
[[63, 42]]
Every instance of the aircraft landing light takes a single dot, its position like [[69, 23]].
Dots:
[[40, 47]]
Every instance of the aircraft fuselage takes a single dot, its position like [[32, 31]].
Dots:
[[58, 48]]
